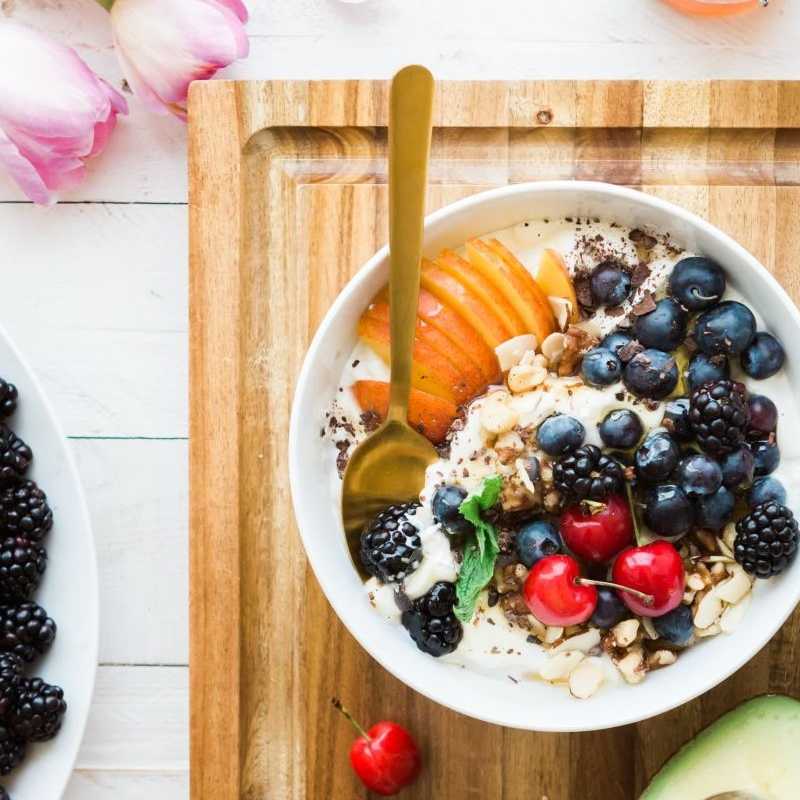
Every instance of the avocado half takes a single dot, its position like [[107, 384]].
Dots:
[[754, 748]]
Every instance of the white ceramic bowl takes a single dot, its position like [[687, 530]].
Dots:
[[529, 705], [68, 590]]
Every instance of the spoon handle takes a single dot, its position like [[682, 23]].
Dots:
[[409, 147]]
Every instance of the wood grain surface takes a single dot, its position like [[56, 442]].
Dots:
[[287, 200]]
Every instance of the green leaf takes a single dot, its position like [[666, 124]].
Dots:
[[480, 554]]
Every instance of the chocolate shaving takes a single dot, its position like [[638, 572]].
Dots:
[[644, 306], [583, 292], [641, 272], [644, 240], [628, 351], [370, 420], [615, 311]]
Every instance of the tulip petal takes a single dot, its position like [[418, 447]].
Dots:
[[238, 8], [22, 171]]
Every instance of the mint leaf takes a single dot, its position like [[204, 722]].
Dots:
[[481, 553]]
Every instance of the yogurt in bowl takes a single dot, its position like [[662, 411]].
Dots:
[[498, 655]]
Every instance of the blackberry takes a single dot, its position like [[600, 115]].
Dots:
[[766, 540], [10, 679], [12, 750], [588, 474], [39, 710], [391, 547], [24, 511], [431, 623], [22, 564], [26, 630], [15, 456], [719, 415], [8, 401]]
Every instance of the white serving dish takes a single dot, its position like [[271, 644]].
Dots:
[[529, 705], [69, 587]]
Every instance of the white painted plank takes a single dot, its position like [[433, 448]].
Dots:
[[127, 785], [456, 38], [139, 720], [137, 493], [104, 319]]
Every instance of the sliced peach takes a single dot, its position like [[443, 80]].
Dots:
[[482, 286], [430, 371], [554, 280], [453, 325], [428, 334], [430, 415], [452, 292], [501, 266]]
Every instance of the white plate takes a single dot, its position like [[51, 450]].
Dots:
[[528, 705], [69, 586]]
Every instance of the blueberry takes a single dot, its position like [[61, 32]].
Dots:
[[767, 456], [600, 367], [738, 468], [609, 610], [536, 540], [610, 285], [445, 504], [652, 374], [727, 328], [676, 419], [766, 489], [697, 283], [559, 434], [668, 511], [657, 457], [763, 357], [707, 369], [621, 429], [616, 342], [699, 475], [763, 414], [664, 327], [715, 510], [676, 626]]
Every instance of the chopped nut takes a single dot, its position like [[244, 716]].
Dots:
[[552, 500], [562, 308], [723, 548], [707, 540], [649, 628], [632, 666], [583, 641], [510, 352], [703, 572], [695, 582], [729, 535], [709, 609], [736, 587], [510, 440], [553, 634], [586, 678], [559, 666], [496, 417], [524, 377], [688, 598], [718, 571], [624, 633], [661, 658], [733, 615], [711, 630], [538, 628], [553, 348]]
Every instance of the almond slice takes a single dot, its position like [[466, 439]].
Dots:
[[559, 666], [510, 352], [584, 642], [586, 678]]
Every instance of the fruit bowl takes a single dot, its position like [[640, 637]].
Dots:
[[530, 704], [68, 590]]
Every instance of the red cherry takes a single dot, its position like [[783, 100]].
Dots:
[[597, 532], [385, 757], [655, 569], [555, 596]]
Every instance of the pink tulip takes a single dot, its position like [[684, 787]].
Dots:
[[55, 113], [164, 45]]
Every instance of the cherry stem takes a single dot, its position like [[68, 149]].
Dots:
[[337, 704], [647, 599]]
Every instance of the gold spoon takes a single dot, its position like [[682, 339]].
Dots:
[[735, 795], [389, 467]]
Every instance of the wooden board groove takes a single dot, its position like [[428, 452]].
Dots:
[[287, 200]]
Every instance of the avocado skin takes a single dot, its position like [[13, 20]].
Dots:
[[765, 716]]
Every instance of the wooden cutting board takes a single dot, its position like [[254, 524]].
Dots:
[[287, 199]]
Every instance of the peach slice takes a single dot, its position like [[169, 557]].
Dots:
[[452, 292], [501, 266], [554, 280], [430, 415], [454, 326], [482, 286], [430, 371], [449, 349]]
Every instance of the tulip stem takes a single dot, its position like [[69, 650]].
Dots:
[[106, 4]]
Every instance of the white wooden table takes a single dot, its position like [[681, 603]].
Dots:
[[104, 277]]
